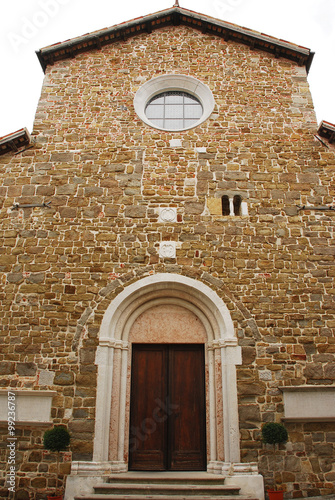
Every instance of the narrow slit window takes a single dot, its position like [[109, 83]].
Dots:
[[225, 205], [237, 201]]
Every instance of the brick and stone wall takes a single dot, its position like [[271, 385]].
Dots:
[[106, 174]]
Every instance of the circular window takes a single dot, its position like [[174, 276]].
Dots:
[[174, 110], [173, 102]]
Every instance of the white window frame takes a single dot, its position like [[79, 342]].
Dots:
[[181, 83]]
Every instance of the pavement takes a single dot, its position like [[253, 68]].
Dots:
[[321, 497]]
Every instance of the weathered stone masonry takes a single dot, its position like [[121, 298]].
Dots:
[[106, 174]]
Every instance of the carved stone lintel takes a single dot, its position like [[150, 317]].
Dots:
[[115, 344]]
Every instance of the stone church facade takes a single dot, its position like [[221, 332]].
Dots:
[[173, 207]]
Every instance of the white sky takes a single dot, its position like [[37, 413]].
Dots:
[[28, 25]]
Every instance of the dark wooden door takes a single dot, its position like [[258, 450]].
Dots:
[[167, 411]]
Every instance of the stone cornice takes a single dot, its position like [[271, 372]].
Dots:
[[174, 17], [307, 388], [27, 392]]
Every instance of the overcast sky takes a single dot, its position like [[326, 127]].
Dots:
[[28, 25]]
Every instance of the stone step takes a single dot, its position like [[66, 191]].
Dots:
[[166, 478], [95, 496], [164, 486], [166, 489]]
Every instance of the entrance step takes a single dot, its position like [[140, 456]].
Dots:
[[165, 486]]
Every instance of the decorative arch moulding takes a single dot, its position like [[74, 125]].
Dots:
[[122, 322]]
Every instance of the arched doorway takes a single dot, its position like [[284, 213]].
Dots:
[[167, 309], [167, 429]]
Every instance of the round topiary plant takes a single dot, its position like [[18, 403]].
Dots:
[[274, 433], [56, 439]]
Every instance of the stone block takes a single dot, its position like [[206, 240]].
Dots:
[[314, 371], [324, 450], [251, 388], [329, 371], [292, 464], [62, 157], [214, 206], [38, 482], [81, 426], [7, 368], [249, 415], [135, 211], [194, 208], [36, 278], [26, 369], [35, 456], [64, 378], [87, 355], [248, 355], [15, 277], [68, 212], [93, 191]]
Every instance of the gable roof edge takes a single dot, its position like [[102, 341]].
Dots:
[[174, 16]]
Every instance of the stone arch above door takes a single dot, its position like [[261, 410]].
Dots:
[[126, 306], [165, 323], [136, 302]]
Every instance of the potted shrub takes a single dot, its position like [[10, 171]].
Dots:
[[56, 440], [275, 434]]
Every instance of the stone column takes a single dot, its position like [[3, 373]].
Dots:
[[122, 408], [212, 407], [230, 357], [105, 361]]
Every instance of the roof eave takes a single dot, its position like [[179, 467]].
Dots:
[[327, 131], [174, 16], [14, 141]]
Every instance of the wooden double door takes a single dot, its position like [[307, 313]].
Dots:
[[167, 409]]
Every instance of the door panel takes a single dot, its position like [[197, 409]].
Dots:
[[167, 417], [187, 422], [147, 422]]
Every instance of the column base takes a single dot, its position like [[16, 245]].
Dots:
[[244, 475], [85, 475]]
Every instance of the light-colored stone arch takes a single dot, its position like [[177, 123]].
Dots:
[[113, 361]]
